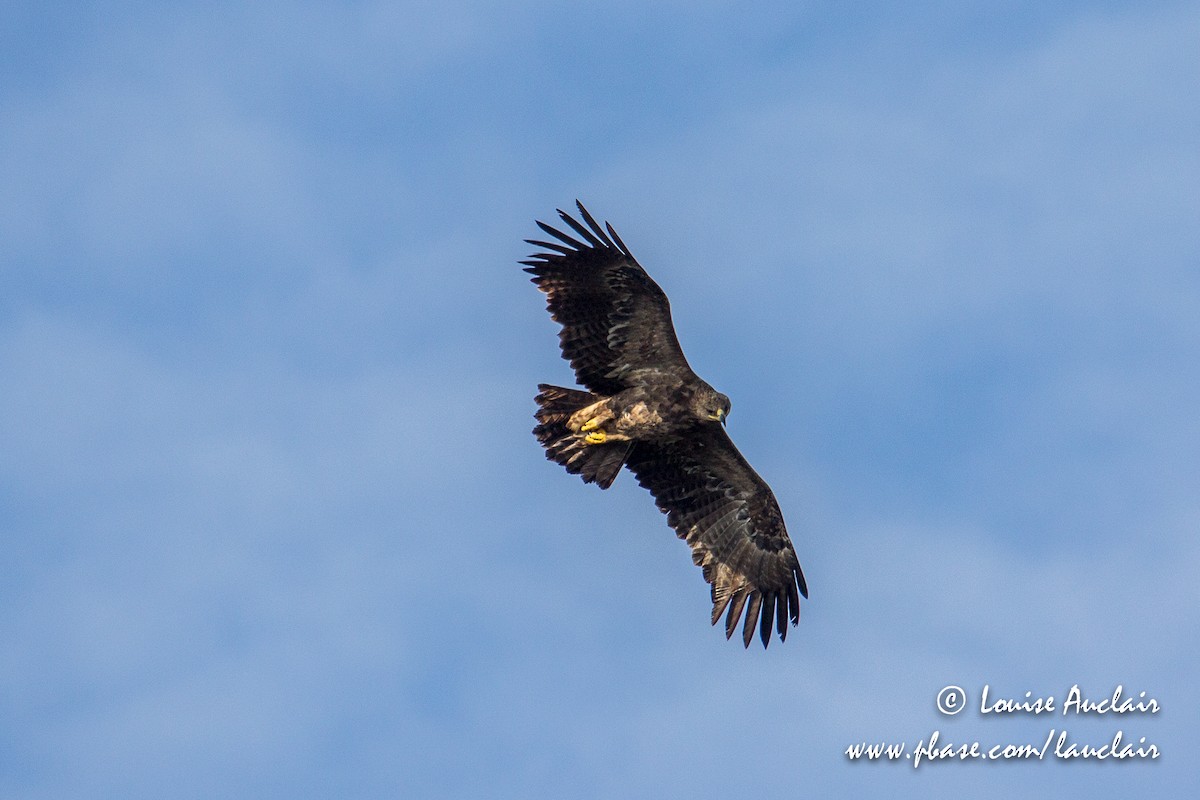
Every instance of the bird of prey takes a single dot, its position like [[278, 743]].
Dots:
[[646, 410]]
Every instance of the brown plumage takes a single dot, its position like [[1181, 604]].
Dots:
[[647, 410]]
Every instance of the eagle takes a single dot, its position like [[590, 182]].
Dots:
[[645, 409]]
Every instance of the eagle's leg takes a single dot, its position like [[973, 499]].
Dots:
[[590, 416], [590, 420]]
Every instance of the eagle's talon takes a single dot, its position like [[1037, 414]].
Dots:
[[596, 437], [590, 425]]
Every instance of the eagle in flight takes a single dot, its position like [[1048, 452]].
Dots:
[[645, 409]]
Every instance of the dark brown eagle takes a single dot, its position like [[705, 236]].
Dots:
[[646, 410]]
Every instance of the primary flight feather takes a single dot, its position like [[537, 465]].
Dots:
[[646, 409]]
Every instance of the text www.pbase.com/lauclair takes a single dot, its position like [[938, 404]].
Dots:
[[1056, 746]]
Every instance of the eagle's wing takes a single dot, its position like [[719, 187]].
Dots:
[[615, 319], [720, 506]]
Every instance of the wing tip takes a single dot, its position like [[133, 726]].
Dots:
[[768, 611], [596, 237]]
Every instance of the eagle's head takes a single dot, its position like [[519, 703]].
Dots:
[[710, 405]]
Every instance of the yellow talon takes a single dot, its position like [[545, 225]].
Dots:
[[596, 437], [591, 424]]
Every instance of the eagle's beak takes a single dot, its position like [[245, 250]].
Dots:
[[721, 415]]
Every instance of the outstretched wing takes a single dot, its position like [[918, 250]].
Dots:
[[720, 506], [616, 321]]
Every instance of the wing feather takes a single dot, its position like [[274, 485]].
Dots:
[[581, 230], [752, 610], [561, 248], [728, 515], [615, 319], [613, 233], [781, 606], [557, 234], [735, 610]]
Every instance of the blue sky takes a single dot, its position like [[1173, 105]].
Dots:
[[275, 523]]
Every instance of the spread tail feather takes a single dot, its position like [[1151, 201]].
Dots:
[[595, 463]]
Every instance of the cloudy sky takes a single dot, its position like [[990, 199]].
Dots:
[[274, 523]]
